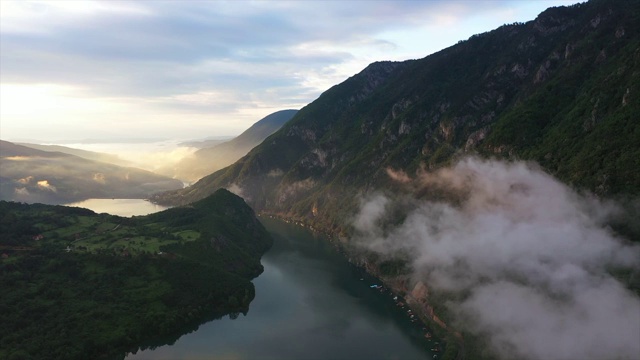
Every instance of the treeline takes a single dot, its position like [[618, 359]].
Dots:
[[18, 220], [81, 306], [57, 304]]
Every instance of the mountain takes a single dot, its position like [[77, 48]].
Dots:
[[31, 175], [110, 285], [561, 90], [90, 155], [209, 159]]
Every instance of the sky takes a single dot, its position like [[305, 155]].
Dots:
[[148, 70]]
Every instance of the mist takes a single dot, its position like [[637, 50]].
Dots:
[[160, 157], [524, 260]]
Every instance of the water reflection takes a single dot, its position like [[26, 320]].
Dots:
[[120, 207], [310, 304]]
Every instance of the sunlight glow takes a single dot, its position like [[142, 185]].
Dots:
[[145, 68]]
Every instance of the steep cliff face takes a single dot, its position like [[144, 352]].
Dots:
[[561, 90]]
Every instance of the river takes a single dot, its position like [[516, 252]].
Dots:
[[310, 304]]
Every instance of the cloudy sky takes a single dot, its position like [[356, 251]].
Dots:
[[160, 69]]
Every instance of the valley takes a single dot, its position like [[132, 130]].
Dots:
[[86, 285], [478, 203], [52, 177], [208, 159], [403, 143], [322, 306]]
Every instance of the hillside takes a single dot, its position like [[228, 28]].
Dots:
[[79, 285], [32, 175], [440, 175], [209, 159], [90, 155], [561, 90]]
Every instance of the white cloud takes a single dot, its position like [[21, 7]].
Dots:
[[236, 189], [123, 63], [275, 173], [19, 16], [527, 258], [21, 191], [44, 184], [99, 178]]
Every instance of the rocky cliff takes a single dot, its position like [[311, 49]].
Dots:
[[561, 90]]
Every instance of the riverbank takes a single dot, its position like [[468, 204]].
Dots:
[[116, 289], [414, 292], [310, 304]]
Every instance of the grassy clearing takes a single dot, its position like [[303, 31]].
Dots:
[[188, 235], [94, 234]]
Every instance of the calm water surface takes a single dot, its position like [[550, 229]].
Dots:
[[121, 207], [310, 304]]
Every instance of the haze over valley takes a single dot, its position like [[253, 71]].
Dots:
[[30, 175], [442, 179], [211, 157]]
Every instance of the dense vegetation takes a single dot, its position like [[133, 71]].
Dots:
[[561, 90], [78, 285]]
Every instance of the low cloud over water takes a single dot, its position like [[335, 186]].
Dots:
[[527, 259]]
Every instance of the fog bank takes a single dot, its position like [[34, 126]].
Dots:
[[527, 260]]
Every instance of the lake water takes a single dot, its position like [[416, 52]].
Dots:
[[121, 207], [310, 304]]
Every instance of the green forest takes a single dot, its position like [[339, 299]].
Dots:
[[80, 285]]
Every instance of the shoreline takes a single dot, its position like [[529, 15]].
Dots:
[[418, 305]]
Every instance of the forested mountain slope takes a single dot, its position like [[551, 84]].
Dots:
[[81, 285], [562, 90]]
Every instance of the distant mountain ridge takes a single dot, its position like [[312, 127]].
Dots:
[[210, 159], [51, 177], [562, 90], [90, 155]]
